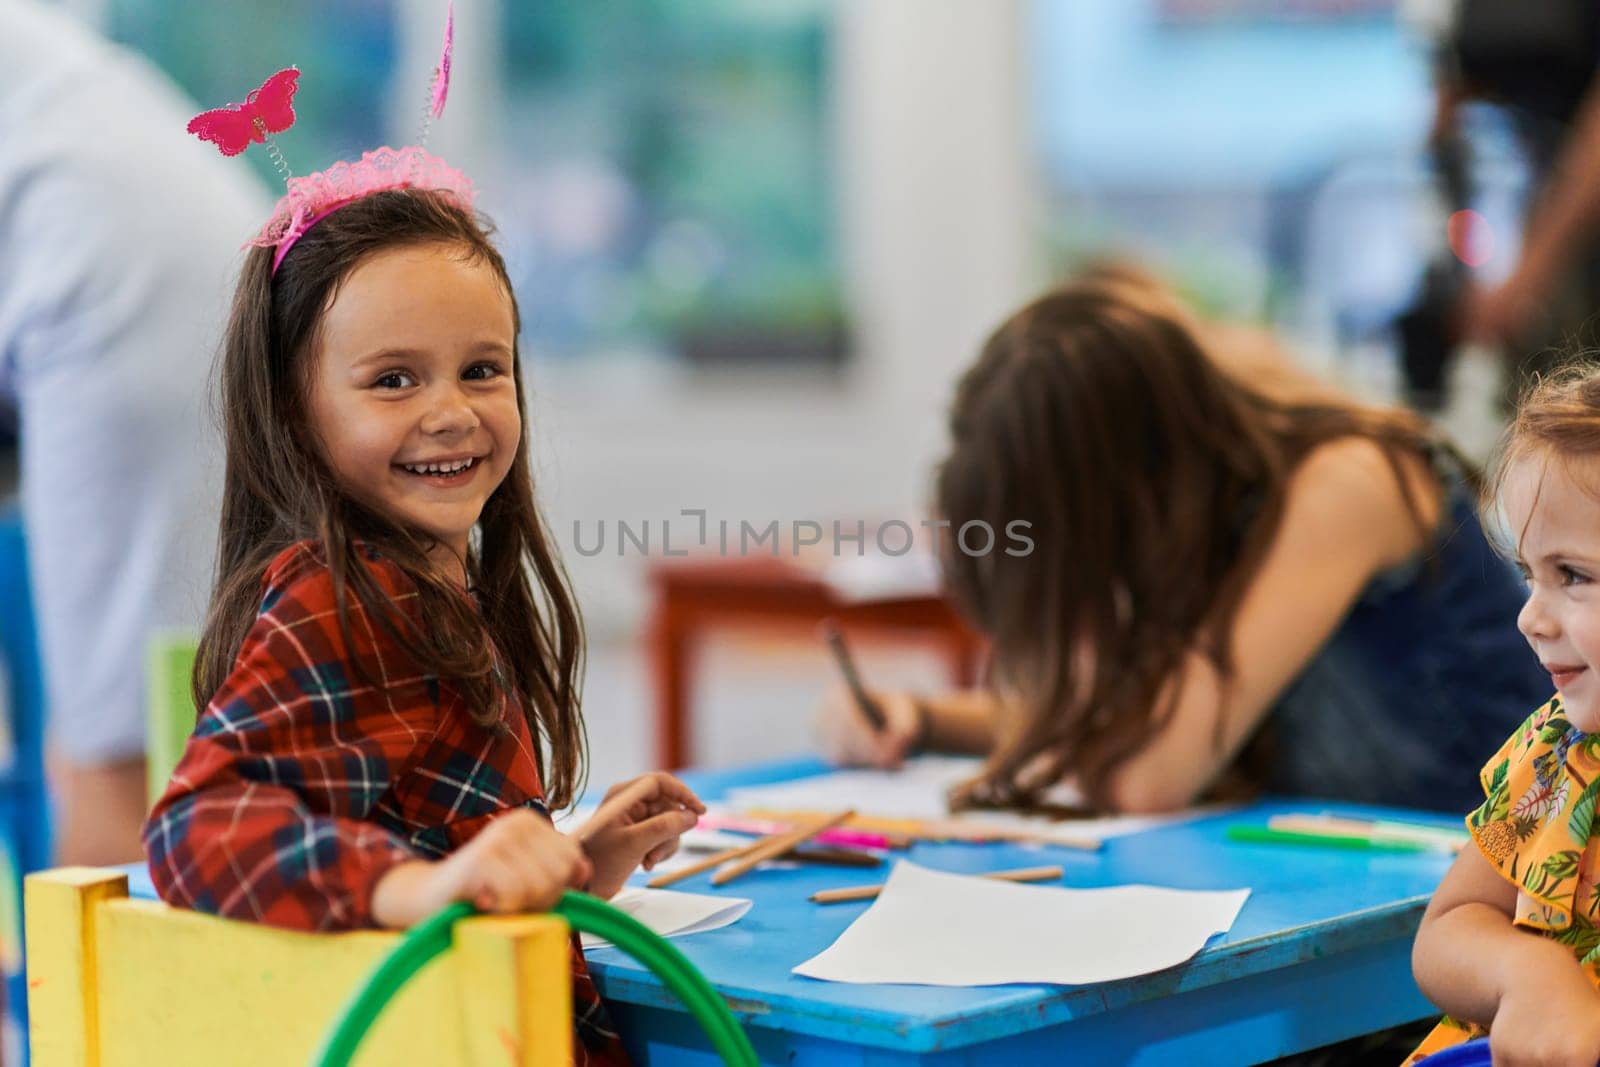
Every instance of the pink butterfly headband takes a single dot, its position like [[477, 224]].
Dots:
[[309, 200]]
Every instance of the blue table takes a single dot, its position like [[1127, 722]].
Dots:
[[1320, 952]]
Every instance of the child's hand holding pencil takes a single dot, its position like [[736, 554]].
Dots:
[[862, 727]]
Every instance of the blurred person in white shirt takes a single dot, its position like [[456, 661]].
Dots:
[[118, 246]]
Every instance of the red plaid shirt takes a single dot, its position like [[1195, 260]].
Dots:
[[304, 783]]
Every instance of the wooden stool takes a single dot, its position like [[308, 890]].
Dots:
[[695, 596]]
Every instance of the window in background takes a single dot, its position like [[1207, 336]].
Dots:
[[1268, 156], [217, 53], [670, 179], [665, 181]]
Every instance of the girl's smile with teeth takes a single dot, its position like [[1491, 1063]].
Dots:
[[446, 467]]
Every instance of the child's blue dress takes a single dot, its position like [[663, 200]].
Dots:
[[1426, 674]]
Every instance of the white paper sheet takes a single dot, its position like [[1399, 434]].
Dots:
[[933, 928], [918, 791], [673, 914]]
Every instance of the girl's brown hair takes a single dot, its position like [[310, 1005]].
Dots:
[[278, 489], [1153, 484], [1558, 416]]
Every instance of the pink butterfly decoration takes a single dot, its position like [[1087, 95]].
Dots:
[[266, 110], [441, 74]]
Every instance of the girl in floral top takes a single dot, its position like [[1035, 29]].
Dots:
[[1511, 942], [389, 673]]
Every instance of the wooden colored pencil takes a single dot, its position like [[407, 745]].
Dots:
[[834, 857], [904, 828], [867, 892], [977, 833], [716, 859], [952, 829], [773, 847]]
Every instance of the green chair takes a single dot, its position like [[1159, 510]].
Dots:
[[169, 706]]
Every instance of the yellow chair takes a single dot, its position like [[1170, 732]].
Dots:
[[114, 981], [121, 981]]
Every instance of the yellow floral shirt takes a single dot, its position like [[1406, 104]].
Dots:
[[1536, 827]]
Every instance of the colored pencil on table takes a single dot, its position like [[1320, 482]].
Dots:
[[839, 836], [786, 842], [977, 833], [716, 859], [952, 829], [868, 892], [773, 847], [835, 857]]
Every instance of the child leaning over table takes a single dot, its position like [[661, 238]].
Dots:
[[1511, 941]]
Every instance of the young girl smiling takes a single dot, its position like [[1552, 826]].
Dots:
[[390, 670], [1511, 940]]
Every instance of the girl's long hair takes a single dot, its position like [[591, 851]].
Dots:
[[1153, 483], [278, 490]]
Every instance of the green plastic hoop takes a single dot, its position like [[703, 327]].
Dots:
[[582, 912]]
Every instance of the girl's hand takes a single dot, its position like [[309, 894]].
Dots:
[[1548, 1018], [847, 738], [639, 821], [519, 862]]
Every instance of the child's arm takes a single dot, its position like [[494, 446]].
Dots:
[[1472, 962], [268, 814], [519, 862], [639, 821], [1344, 520]]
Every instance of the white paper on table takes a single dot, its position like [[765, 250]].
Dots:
[[915, 791], [919, 789], [933, 928], [673, 914]]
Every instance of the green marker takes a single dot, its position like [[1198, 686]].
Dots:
[[1265, 835]]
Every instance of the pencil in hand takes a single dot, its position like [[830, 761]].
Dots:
[[841, 654]]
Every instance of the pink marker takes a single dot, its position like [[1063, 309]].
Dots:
[[839, 836]]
